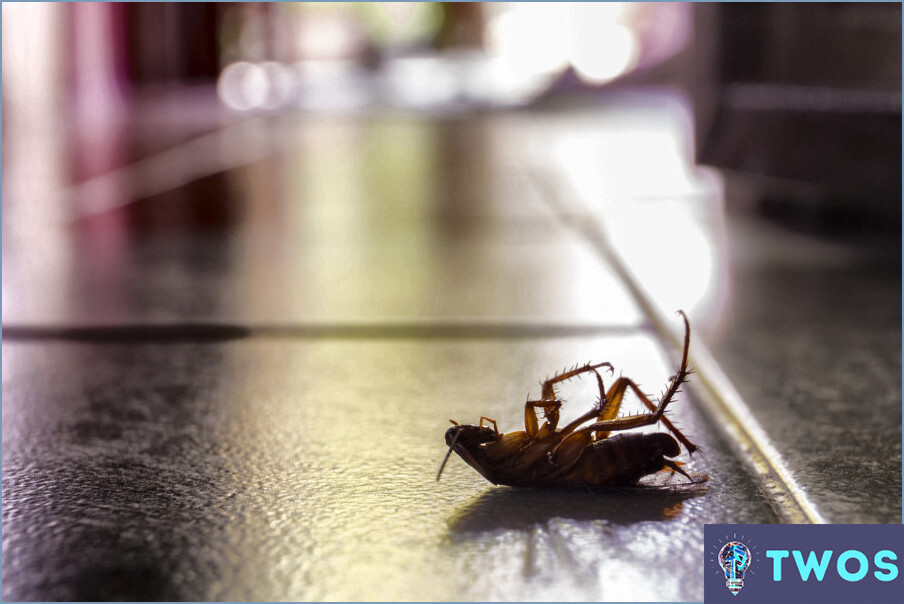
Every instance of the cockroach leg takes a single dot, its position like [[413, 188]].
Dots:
[[604, 398], [601, 412], [549, 393], [616, 395], [675, 466], [489, 421], [550, 411], [551, 404], [617, 392], [612, 400]]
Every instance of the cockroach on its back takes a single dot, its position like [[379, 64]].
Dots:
[[576, 456]]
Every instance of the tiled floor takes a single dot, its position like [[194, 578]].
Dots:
[[230, 379]]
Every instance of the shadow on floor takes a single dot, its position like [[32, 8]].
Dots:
[[518, 508]]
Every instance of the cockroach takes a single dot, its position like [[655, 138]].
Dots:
[[577, 455]]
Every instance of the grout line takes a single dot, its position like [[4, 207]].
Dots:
[[720, 398], [201, 332]]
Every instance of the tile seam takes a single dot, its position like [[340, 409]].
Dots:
[[212, 331]]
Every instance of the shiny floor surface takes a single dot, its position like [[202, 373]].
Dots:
[[230, 355]]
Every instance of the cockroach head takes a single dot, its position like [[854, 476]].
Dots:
[[461, 437], [468, 435]]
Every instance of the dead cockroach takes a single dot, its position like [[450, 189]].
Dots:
[[577, 456]]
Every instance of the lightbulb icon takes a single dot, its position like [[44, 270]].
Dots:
[[734, 558]]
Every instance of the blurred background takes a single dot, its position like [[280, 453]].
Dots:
[[255, 256], [755, 80]]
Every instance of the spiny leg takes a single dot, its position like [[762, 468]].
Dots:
[[616, 395], [550, 412], [602, 411], [573, 443], [603, 403], [550, 403], [549, 393], [617, 391], [674, 384], [608, 411], [646, 419], [629, 422], [606, 418]]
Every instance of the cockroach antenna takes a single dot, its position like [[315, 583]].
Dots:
[[446, 458]]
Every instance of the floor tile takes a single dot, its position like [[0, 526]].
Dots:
[[813, 342]]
